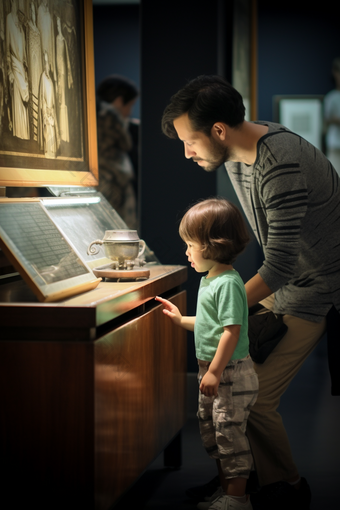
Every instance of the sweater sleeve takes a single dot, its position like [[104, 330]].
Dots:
[[284, 199]]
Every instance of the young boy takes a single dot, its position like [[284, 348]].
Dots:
[[215, 234]]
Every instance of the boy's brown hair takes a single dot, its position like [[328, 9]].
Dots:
[[218, 226]]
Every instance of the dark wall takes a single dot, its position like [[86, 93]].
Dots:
[[179, 41], [161, 46], [296, 46], [117, 43]]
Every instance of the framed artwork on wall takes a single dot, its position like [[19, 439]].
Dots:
[[302, 114], [47, 94]]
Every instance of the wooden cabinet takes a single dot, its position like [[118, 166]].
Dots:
[[86, 405]]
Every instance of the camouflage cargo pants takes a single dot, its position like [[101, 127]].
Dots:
[[223, 419]]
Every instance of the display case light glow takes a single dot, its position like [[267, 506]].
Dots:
[[58, 202]]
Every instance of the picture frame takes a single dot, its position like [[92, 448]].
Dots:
[[302, 114], [48, 134]]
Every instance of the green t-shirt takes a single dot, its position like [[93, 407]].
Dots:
[[221, 301]]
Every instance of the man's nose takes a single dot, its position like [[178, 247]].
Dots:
[[189, 153]]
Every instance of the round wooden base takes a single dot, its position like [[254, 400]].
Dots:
[[121, 274]]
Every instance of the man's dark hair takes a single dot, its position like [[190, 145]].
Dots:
[[115, 86], [207, 99]]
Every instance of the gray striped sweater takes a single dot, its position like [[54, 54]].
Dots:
[[291, 197]]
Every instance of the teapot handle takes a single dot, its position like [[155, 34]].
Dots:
[[141, 248], [91, 250]]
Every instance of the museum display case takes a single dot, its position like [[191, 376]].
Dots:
[[92, 385]]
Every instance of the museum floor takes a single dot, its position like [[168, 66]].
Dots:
[[312, 419]]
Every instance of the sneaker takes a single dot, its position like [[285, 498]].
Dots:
[[205, 505], [200, 492], [282, 495], [228, 503]]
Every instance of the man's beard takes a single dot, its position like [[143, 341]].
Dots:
[[219, 154]]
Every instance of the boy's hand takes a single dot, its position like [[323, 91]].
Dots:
[[170, 310], [209, 385]]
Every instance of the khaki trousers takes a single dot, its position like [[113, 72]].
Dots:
[[266, 433]]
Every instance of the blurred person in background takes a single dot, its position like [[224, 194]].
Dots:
[[116, 96]]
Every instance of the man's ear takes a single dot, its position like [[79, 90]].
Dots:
[[220, 131]]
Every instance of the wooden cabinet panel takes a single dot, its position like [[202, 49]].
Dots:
[[47, 428], [92, 389], [140, 378]]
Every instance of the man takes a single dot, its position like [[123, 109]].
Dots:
[[290, 194]]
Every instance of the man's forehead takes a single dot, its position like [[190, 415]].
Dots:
[[184, 129]]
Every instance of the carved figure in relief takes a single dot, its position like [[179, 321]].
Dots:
[[46, 27], [64, 82], [48, 132], [34, 67], [17, 74]]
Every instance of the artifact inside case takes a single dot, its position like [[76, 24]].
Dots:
[[86, 220]]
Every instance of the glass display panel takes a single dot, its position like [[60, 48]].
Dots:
[[41, 253], [84, 219]]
